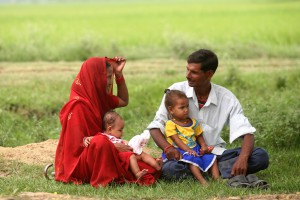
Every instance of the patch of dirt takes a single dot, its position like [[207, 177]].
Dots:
[[36, 153], [44, 196], [53, 196]]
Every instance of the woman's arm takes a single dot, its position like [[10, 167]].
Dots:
[[122, 91]]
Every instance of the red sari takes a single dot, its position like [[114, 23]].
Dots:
[[100, 163]]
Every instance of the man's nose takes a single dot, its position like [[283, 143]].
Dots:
[[187, 74]]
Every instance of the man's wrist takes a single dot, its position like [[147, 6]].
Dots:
[[243, 158], [167, 148]]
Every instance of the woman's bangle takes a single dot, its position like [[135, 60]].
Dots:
[[120, 80], [167, 147]]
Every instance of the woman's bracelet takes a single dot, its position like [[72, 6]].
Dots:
[[167, 147], [120, 80]]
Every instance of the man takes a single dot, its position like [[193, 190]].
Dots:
[[214, 106]]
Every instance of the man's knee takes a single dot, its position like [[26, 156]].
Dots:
[[261, 157]]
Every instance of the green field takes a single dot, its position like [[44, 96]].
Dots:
[[149, 29], [32, 95]]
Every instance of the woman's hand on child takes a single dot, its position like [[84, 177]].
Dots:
[[87, 141], [123, 147]]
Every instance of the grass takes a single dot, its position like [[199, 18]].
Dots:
[[53, 32], [281, 176], [33, 93]]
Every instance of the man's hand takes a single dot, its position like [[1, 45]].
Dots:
[[123, 147], [173, 153], [240, 166]]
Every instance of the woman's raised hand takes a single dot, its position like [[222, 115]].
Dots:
[[118, 66]]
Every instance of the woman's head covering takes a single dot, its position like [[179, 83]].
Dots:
[[89, 86]]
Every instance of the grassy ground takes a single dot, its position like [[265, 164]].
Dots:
[[33, 93]]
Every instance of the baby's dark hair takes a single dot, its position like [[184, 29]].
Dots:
[[172, 96], [109, 118]]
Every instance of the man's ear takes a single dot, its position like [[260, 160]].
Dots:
[[210, 73]]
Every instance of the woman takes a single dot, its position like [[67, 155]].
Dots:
[[91, 97]]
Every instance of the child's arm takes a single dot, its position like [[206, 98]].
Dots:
[[181, 145], [202, 143]]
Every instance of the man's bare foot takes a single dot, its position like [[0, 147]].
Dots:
[[140, 174]]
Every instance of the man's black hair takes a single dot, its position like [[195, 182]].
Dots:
[[206, 58]]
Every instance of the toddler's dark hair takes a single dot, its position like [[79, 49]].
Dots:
[[172, 96]]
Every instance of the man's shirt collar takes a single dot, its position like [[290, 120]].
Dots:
[[212, 97]]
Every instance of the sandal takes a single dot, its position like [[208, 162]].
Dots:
[[239, 181], [49, 175], [257, 183]]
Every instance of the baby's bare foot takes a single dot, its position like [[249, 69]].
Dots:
[[140, 174]]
